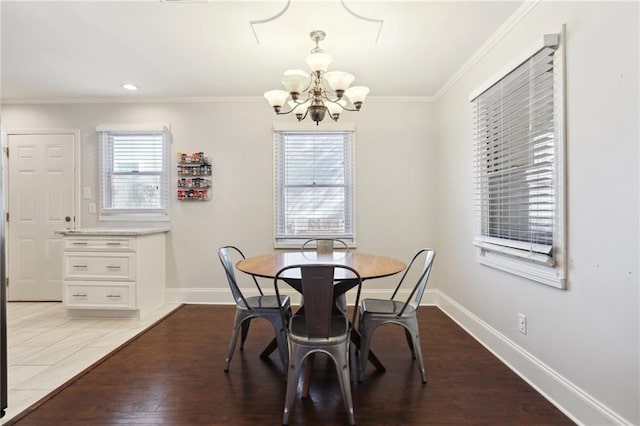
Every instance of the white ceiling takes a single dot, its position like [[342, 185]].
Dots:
[[69, 50]]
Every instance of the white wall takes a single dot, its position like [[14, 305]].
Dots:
[[394, 162], [414, 189], [588, 334]]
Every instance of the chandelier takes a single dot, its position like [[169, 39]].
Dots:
[[325, 91]]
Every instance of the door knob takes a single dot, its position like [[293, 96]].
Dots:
[[67, 219]]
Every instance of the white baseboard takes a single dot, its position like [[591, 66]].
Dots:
[[569, 398], [566, 396]]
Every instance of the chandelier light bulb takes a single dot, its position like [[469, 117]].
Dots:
[[319, 61], [295, 81], [300, 110], [276, 98], [339, 81], [356, 95], [335, 108]]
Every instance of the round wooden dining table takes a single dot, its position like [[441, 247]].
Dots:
[[368, 266]]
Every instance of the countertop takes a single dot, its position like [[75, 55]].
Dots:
[[113, 232]]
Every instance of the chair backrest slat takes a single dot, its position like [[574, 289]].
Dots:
[[317, 288]]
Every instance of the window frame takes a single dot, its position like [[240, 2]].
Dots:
[[106, 213], [511, 258], [282, 240]]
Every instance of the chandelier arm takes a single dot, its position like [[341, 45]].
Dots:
[[349, 109], [325, 88], [309, 96], [297, 104], [309, 85], [305, 115], [285, 113], [338, 103]]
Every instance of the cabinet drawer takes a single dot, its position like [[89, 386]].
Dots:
[[100, 295], [99, 266], [99, 244]]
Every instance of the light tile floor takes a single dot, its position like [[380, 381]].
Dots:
[[45, 348]]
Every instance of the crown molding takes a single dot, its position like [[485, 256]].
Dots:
[[195, 99], [400, 99], [131, 100], [502, 31]]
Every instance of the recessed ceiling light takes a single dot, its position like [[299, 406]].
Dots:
[[129, 86]]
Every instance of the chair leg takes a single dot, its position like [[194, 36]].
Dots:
[[409, 337], [344, 377], [306, 378], [245, 332], [415, 336], [293, 374], [232, 344], [281, 338], [354, 366], [365, 333]]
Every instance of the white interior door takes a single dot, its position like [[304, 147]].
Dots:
[[40, 201]]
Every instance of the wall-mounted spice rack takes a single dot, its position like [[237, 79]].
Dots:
[[194, 177]]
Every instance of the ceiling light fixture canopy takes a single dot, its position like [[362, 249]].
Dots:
[[325, 91]]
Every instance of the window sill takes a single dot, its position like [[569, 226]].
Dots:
[[552, 276]]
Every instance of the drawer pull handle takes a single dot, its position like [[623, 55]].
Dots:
[[113, 267], [116, 296], [80, 243], [113, 244], [80, 266], [80, 295]]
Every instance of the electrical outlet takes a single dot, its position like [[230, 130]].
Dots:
[[522, 323], [86, 193], [92, 208]]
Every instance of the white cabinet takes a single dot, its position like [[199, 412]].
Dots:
[[106, 274]]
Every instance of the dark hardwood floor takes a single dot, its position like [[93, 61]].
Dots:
[[173, 375]]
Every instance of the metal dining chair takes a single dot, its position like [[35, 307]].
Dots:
[[275, 309], [320, 329], [376, 312]]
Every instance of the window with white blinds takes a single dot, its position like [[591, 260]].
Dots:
[[134, 173], [516, 162], [313, 185]]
